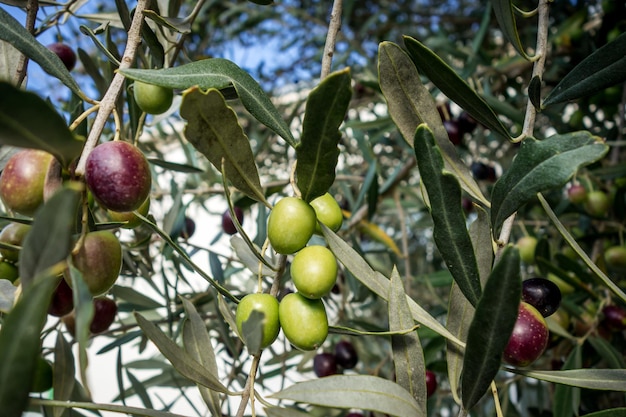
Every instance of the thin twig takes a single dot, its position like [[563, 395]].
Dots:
[[249, 385], [31, 17], [331, 38], [108, 101]]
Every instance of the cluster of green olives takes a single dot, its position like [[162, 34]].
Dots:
[[301, 315]]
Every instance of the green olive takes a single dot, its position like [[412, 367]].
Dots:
[[152, 99], [261, 303], [328, 212], [290, 225], [303, 320], [314, 271]]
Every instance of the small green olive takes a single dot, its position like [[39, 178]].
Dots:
[[290, 225], [328, 212], [152, 99], [262, 303], [303, 320], [314, 271]]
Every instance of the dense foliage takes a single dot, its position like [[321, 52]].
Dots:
[[346, 227]]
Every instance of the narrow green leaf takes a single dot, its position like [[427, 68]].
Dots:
[[140, 389], [599, 379], [49, 241], [213, 129], [49, 133], [613, 412], [83, 312], [503, 10], [219, 73], [613, 357], [122, 409], [354, 391], [410, 103], [534, 92], [461, 311], [408, 356], [15, 34], [567, 399], [135, 298], [20, 344], [450, 233], [540, 166], [377, 283], [63, 376], [198, 344], [285, 412], [318, 150], [602, 69], [491, 327], [453, 86], [180, 360]]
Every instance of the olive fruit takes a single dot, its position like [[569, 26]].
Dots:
[[454, 132], [290, 225], [12, 234], [576, 194], [261, 303], [43, 376], [431, 383], [62, 302], [542, 294], [304, 321], [482, 171], [328, 212], [228, 226], [314, 271], [597, 203], [118, 175], [615, 257], [466, 123], [324, 364], [99, 260], [529, 338], [65, 53], [22, 181], [614, 318], [152, 99], [184, 228], [129, 218], [527, 246], [346, 355], [104, 311], [8, 271]]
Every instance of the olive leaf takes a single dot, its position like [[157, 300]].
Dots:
[[213, 129], [503, 9], [318, 151]]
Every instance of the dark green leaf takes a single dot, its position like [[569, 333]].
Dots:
[[602, 69], [567, 399], [453, 86], [139, 388], [63, 379], [219, 73], [599, 379], [608, 352], [180, 360], [613, 412], [20, 344], [540, 166], [491, 327], [176, 24], [172, 166], [450, 233], [49, 241], [212, 128], [138, 300], [503, 10], [83, 312], [355, 391], [318, 150], [408, 357], [15, 34], [18, 109], [410, 103], [534, 92]]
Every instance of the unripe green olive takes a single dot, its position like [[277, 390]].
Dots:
[[527, 246], [152, 99], [128, 217], [99, 260], [290, 225], [303, 320], [314, 271], [327, 212], [262, 303], [13, 234]]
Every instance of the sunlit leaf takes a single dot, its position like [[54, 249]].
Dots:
[[541, 165], [450, 233], [602, 69], [410, 104], [16, 34], [219, 73], [453, 86], [20, 344], [503, 9], [408, 357], [354, 391], [318, 151], [50, 132], [213, 129], [9, 60], [180, 360], [491, 327]]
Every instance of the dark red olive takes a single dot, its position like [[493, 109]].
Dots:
[[346, 354], [324, 364]]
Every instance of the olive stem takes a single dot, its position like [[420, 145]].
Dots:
[[331, 38], [32, 8], [108, 101], [249, 386]]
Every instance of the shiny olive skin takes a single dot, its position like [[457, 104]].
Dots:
[[290, 225], [152, 99], [304, 321], [542, 294], [529, 338], [99, 260], [263, 303], [314, 271], [328, 212]]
